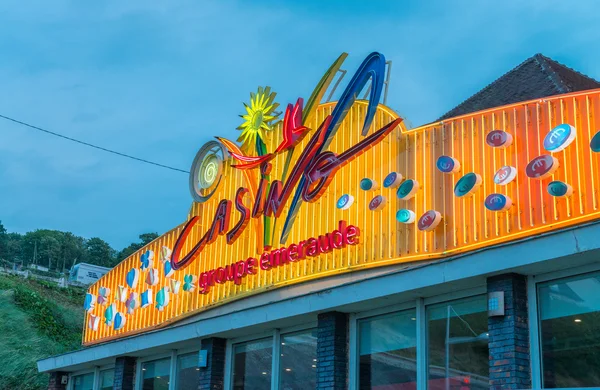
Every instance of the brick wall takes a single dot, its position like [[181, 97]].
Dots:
[[54, 381], [212, 376], [332, 351], [124, 378], [510, 366]]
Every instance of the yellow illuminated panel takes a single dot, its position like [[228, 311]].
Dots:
[[466, 224]]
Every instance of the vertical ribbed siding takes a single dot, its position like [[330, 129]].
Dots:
[[466, 224]]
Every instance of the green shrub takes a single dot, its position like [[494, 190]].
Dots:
[[39, 319], [47, 317], [50, 274]]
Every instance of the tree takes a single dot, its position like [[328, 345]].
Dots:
[[57, 250], [43, 247], [3, 242], [14, 248], [73, 249], [99, 252], [49, 250], [145, 238]]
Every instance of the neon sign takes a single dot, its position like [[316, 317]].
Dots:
[[541, 167], [467, 184], [407, 189], [392, 180], [447, 164], [236, 272], [505, 175], [293, 179], [310, 177], [497, 202], [559, 138], [499, 139]]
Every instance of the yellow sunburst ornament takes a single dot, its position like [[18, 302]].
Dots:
[[259, 119]]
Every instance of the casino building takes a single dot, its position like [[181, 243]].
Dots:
[[331, 247]]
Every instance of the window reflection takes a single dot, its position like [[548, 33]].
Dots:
[[298, 361], [457, 345], [156, 374], [84, 382], [252, 365], [107, 379], [187, 371], [387, 348], [570, 332]]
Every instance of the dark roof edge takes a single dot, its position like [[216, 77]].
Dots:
[[503, 106], [547, 69], [490, 85]]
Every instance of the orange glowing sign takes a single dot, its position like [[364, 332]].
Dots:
[[300, 198]]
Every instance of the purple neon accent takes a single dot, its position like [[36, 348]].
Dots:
[[372, 68]]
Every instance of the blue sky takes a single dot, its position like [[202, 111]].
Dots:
[[158, 79]]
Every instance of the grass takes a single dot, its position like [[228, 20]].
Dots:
[[37, 320]]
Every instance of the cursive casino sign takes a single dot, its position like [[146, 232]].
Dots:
[[296, 197]]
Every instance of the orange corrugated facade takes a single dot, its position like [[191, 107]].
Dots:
[[466, 224]]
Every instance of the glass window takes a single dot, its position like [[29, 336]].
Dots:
[[187, 371], [457, 344], [298, 361], [107, 379], [84, 382], [569, 312], [252, 365], [388, 351], [155, 374]]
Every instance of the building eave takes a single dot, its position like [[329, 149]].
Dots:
[[351, 292]]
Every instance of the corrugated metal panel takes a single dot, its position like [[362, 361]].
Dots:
[[466, 225]]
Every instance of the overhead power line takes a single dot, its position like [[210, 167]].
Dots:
[[91, 145]]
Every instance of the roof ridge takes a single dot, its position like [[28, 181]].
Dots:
[[552, 62], [488, 86], [536, 77], [546, 67]]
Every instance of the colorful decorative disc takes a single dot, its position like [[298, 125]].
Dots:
[[392, 180], [89, 302], [405, 216], [429, 220], [447, 164], [497, 202], [467, 184], [559, 138], [505, 175], [595, 143], [498, 139], [368, 184], [344, 202], [559, 189], [207, 171], [377, 203], [407, 189], [120, 321], [541, 167], [132, 277]]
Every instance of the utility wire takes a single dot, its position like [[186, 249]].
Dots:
[[90, 145]]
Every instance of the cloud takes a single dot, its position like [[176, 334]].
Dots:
[[159, 79]]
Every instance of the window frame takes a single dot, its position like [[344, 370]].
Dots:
[[72, 375], [535, 342], [275, 336], [354, 356], [100, 370], [420, 304], [151, 358], [288, 331], [175, 356], [437, 300]]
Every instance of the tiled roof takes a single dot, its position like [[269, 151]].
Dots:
[[535, 78]]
